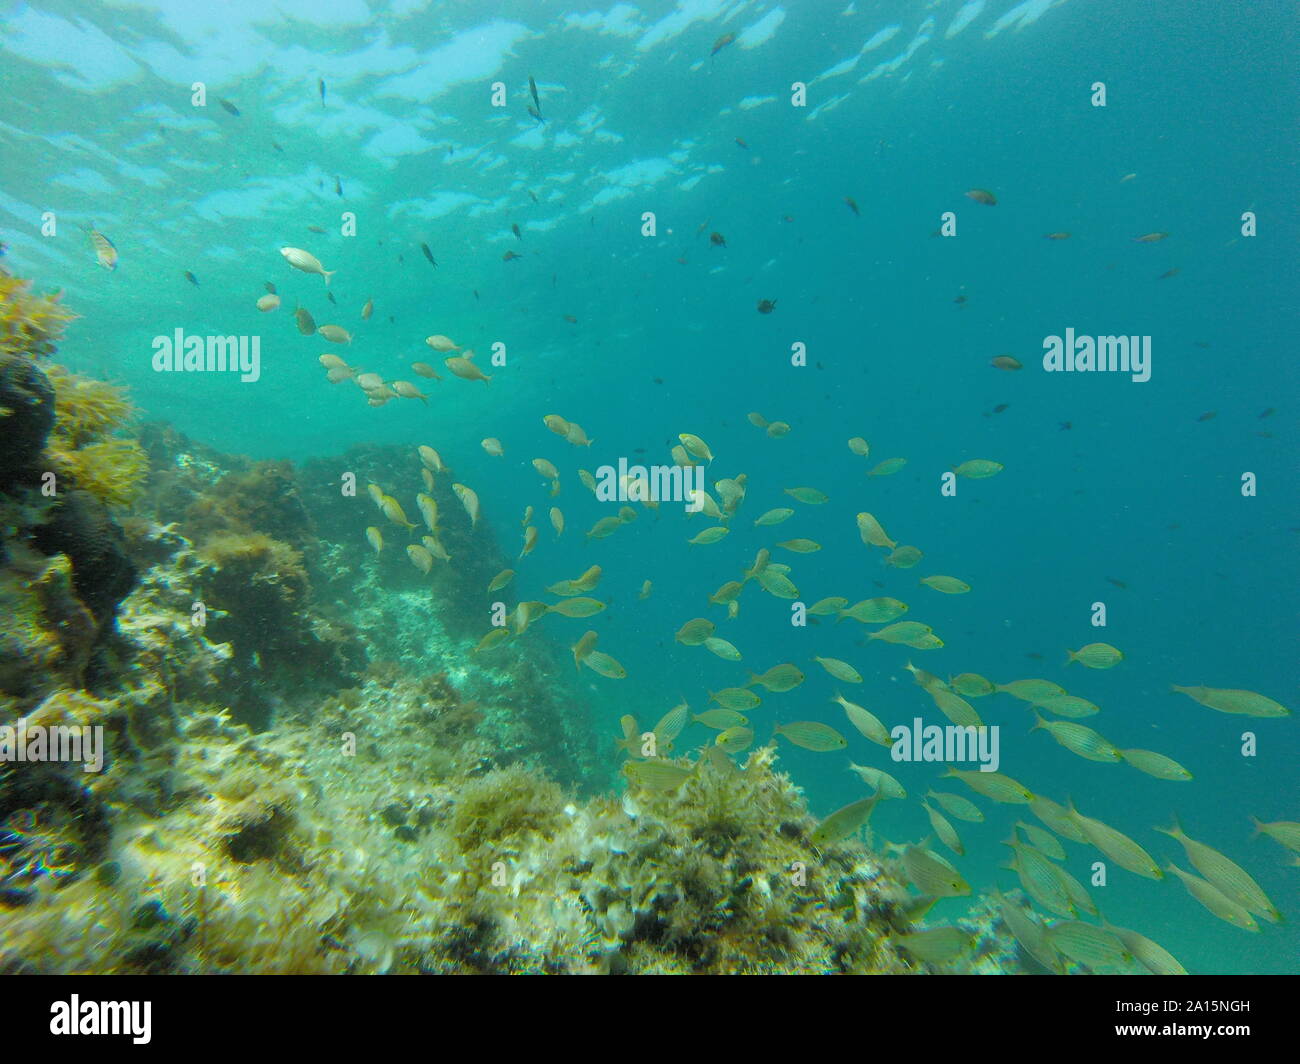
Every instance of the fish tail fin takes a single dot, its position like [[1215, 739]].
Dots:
[[1259, 827], [1174, 831], [327, 274], [1070, 657]]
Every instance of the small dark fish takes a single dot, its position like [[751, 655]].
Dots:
[[766, 306], [306, 323], [316, 228], [1169, 273], [270, 287], [700, 231], [1034, 655], [1149, 238], [717, 240], [787, 218], [722, 42], [681, 261], [1117, 583], [476, 293], [191, 278], [277, 147], [330, 297], [1065, 425], [1056, 236], [852, 205], [1208, 415], [1269, 412], [535, 113], [742, 144], [1005, 362], [532, 195], [391, 319], [532, 91], [960, 299], [229, 107], [658, 380], [1000, 407], [338, 186], [429, 255], [571, 319], [509, 255], [984, 196], [515, 229], [320, 85]]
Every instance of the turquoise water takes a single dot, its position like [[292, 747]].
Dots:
[[99, 128]]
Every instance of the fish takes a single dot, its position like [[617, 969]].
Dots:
[[872, 532], [306, 262], [423, 369], [978, 468], [859, 446], [367, 310], [948, 585], [766, 306], [956, 805], [577, 607], [306, 323], [993, 785], [583, 647], [192, 279], [335, 334], [1228, 700], [1225, 874], [717, 240], [1056, 236], [722, 648], [1006, 362], [315, 229], [696, 447], [694, 632], [330, 297], [721, 43], [972, 685], [933, 875], [866, 722], [808, 496], [1151, 955], [813, 735], [875, 610], [1116, 845], [514, 228], [1088, 944], [1079, 739], [230, 107], [604, 665], [532, 91], [493, 447], [904, 557], [887, 468], [742, 144], [841, 670], [429, 255], [1150, 238], [844, 822], [420, 557], [778, 679], [1096, 656], [268, 302], [320, 87], [848, 201], [557, 521], [465, 369], [709, 535], [1284, 832], [376, 538], [510, 256], [338, 186], [982, 195], [105, 252], [501, 580], [468, 499], [392, 509], [1215, 900], [885, 785], [734, 740], [943, 828], [656, 774], [1157, 765]]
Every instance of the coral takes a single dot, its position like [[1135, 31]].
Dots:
[[26, 417], [29, 324], [82, 445], [81, 528]]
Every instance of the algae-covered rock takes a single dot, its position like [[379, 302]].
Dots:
[[26, 417]]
